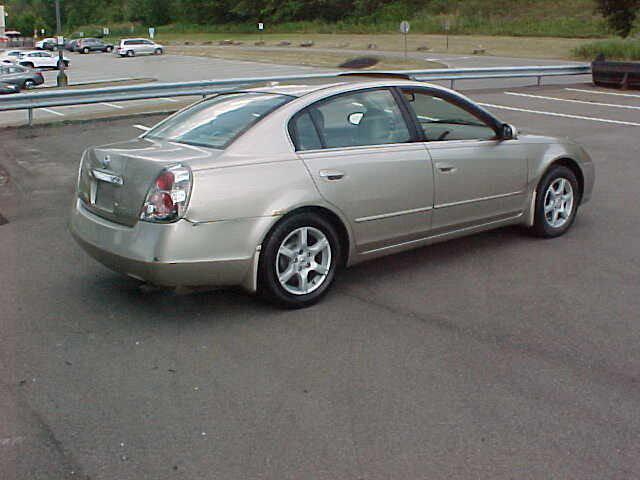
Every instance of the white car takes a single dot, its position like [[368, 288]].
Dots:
[[10, 56], [46, 43], [41, 59], [130, 47]]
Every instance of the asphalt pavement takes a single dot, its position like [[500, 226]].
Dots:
[[494, 356]]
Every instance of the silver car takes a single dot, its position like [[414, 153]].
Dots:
[[130, 47], [276, 188]]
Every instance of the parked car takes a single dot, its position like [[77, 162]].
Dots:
[[21, 77], [40, 59], [275, 188], [87, 45], [8, 88], [46, 44], [130, 47], [10, 56], [70, 44]]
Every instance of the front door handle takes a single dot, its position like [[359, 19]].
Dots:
[[446, 168], [331, 174]]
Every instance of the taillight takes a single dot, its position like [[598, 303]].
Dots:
[[168, 197]]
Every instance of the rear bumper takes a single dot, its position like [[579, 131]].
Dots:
[[221, 253]]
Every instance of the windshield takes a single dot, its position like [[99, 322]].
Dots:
[[217, 122]]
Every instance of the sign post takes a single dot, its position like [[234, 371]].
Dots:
[[447, 27], [404, 29], [260, 29], [152, 32]]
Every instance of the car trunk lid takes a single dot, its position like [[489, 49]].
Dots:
[[114, 180]]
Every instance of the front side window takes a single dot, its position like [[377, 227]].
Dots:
[[370, 117], [443, 120], [215, 123]]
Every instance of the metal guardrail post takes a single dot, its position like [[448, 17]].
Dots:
[[453, 82], [30, 116]]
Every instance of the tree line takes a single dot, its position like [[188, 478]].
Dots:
[[25, 15]]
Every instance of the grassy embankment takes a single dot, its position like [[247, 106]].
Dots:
[[532, 28]]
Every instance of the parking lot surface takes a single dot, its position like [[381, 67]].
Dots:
[[102, 67], [493, 356]]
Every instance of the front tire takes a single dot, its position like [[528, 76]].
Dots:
[[29, 84], [157, 51], [85, 50], [557, 199], [298, 261]]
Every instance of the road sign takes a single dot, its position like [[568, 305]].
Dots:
[[105, 31], [260, 26], [152, 32], [404, 27]]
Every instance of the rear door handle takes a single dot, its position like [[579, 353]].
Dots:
[[446, 168], [331, 174]]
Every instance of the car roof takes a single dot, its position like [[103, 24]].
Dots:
[[342, 82]]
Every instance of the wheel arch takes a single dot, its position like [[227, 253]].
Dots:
[[564, 161], [344, 236]]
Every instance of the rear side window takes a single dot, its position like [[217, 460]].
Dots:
[[370, 117], [215, 123], [304, 133]]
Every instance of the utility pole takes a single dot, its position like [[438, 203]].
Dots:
[[62, 76]]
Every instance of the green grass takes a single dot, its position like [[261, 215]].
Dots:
[[614, 49], [533, 18]]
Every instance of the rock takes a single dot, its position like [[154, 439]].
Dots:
[[284, 43], [372, 46], [307, 44], [188, 43], [423, 48], [208, 42], [258, 44], [225, 42], [479, 51]]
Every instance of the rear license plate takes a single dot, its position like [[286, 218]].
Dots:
[[105, 196]]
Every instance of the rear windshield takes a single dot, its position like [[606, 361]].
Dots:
[[215, 123]]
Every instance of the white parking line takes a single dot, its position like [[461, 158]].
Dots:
[[556, 99], [555, 114], [142, 127], [600, 92], [169, 100], [52, 111], [112, 105]]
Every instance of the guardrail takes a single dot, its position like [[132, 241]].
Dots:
[[59, 98]]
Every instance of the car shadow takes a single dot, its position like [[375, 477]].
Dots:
[[187, 305]]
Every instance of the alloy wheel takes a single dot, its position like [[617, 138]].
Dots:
[[303, 260], [558, 202]]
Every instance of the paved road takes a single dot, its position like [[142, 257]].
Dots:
[[174, 68], [495, 356]]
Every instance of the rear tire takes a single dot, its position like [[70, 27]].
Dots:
[[28, 65], [28, 84], [557, 199], [298, 261], [85, 50], [130, 53], [109, 49]]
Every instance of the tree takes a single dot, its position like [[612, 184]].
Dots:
[[620, 14]]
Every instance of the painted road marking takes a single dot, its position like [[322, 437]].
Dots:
[[600, 92], [52, 111], [169, 100], [542, 97], [112, 105], [555, 114], [142, 127]]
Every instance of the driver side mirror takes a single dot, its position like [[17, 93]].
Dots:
[[508, 132]]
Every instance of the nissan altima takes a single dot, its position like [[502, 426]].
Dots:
[[276, 188]]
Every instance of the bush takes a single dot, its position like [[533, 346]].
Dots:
[[615, 49]]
